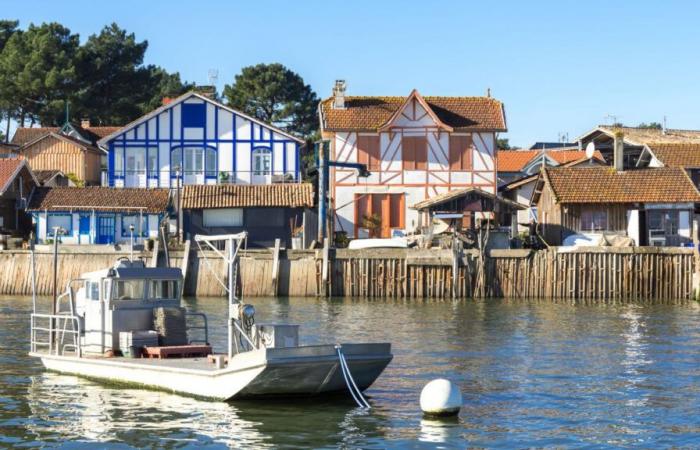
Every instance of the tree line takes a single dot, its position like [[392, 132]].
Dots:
[[44, 70]]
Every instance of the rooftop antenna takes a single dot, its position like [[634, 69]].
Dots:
[[613, 117], [213, 76]]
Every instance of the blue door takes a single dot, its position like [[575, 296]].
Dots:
[[84, 228], [105, 229]]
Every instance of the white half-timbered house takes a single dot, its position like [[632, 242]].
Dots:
[[415, 147], [199, 141]]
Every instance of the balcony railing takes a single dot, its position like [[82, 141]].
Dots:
[[142, 178]]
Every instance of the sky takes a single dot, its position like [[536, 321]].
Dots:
[[560, 67]]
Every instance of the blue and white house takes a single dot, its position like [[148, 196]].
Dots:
[[199, 141]]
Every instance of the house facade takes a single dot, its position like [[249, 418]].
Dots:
[[98, 215], [17, 183], [415, 147], [70, 149], [196, 140], [266, 212], [649, 206]]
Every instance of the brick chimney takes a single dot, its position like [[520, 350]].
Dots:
[[619, 151], [166, 100], [339, 94], [85, 122]]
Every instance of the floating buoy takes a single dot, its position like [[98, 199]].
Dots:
[[440, 398]]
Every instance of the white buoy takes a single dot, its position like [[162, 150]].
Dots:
[[440, 398]]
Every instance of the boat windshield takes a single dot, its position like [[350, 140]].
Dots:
[[163, 289], [128, 290]]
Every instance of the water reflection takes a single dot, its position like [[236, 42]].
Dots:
[[532, 374]]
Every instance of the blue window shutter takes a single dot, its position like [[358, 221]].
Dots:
[[194, 115]]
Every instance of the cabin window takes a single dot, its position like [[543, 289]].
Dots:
[[262, 161], [63, 221], [223, 217], [368, 152], [130, 220], [128, 289], [594, 220], [92, 290], [415, 152], [194, 115], [460, 152], [163, 289]]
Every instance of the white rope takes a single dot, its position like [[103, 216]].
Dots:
[[350, 382]]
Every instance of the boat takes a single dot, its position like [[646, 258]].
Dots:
[[98, 324]]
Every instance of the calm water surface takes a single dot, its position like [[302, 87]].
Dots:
[[533, 374]]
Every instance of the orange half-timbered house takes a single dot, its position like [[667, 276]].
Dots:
[[415, 148]]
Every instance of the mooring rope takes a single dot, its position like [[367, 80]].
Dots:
[[349, 381]]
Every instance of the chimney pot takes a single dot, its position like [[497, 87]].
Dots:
[[85, 122], [166, 100], [339, 94]]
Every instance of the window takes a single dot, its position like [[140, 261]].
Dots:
[[224, 217], [128, 290], [368, 152], [129, 220], [63, 221], [153, 162], [262, 161], [415, 152], [163, 289], [193, 161], [119, 160], [460, 152], [662, 222], [594, 220], [194, 115], [92, 290]]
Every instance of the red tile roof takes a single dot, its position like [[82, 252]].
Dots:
[[9, 168], [291, 195], [516, 160], [605, 185], [686, 155], [370, 113], [100, 198]]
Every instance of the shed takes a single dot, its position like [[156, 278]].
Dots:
[[267, 212]]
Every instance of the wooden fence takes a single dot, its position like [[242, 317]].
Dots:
[[586, 274], [592, 274]]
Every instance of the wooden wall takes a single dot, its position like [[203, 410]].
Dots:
[[56, 154], [596, 273]]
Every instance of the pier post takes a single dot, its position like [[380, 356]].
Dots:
[[275, 268], [324, 269]]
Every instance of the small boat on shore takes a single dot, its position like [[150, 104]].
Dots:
[[125, 325]]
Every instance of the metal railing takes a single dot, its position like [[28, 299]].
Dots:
[[53, 332], [204, 327], [142, 178]]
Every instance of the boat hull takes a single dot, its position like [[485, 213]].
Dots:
[[298, 371]]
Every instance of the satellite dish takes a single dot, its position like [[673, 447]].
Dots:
[[590, 150]]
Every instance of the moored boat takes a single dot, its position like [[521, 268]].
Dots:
[[124, 324]]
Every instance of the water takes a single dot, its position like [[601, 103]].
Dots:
[[533, 374]]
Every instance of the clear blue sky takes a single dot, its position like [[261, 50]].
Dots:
[[559, 66]]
